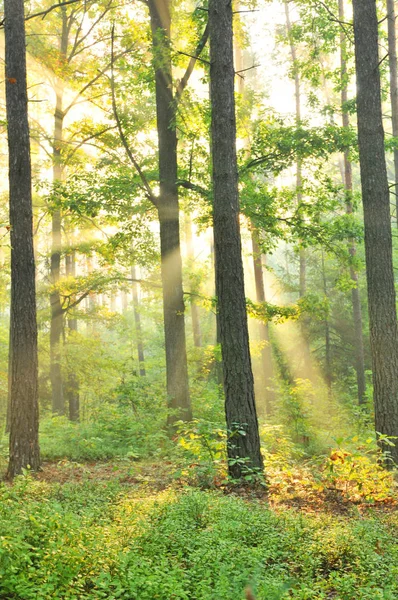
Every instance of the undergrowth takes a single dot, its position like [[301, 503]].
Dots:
[[104, 540]]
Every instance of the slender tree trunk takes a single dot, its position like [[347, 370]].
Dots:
[[197, 336], [347, 178], [392, 60], [56, 325], [243, 449], [137, 321], [168, 210], [378, 237], [72, 385], [328, 346], [24, 422], [266, 351], [299, 185]]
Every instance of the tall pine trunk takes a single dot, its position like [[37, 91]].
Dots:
[[378, 237], [24, 417], [347, 177], [168, 211], [392, 61], [243, 440]]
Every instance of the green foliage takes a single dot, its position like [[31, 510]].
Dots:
[[96, 540], [111, 432]]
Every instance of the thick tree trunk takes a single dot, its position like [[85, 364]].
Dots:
[[378, 237], [243, 441], [137, 321], [347, 179], [72, 385], [392, 61], [266, 351], [24, 422], [168, 210]]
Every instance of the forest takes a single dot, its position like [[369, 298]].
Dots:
[[198, 326]]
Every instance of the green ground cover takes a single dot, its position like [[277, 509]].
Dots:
[[86, 533]]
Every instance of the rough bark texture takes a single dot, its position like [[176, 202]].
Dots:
[[24, 422], [168, 211], [347, 178], [392, 61], [243, 450], [137, 322], [376, 206], [266, 352]]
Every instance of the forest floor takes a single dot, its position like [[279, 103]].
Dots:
[[144, 530], [293, 489]]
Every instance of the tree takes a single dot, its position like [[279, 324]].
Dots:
[[243, 445], [376, 207], [355, 296], [168, 212], [393, 64], [24, 422]]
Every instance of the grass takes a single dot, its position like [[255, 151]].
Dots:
[[132, 531]]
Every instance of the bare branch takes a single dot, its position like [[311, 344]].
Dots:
[[44, 13], [194, 187], [182, 84]]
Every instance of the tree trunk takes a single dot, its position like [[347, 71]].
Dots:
[[328, 346], [392, 61], [72, 385], [243, 445], [299, 184], [24, 422], [378, 238], [347, 179], [266, 352], [168, 210], [137, 321], [197, 336], [56, 325]]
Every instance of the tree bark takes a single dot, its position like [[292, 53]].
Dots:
[[392, 61], [347, 179], [243, 445], [378, 237], [168, 210], [137, 321], [72, 384], [24, 422], [266, 352]]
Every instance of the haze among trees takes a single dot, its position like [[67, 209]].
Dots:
[[198, 328]]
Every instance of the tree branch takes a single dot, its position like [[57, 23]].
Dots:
[[182, 84], [144, 180]]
